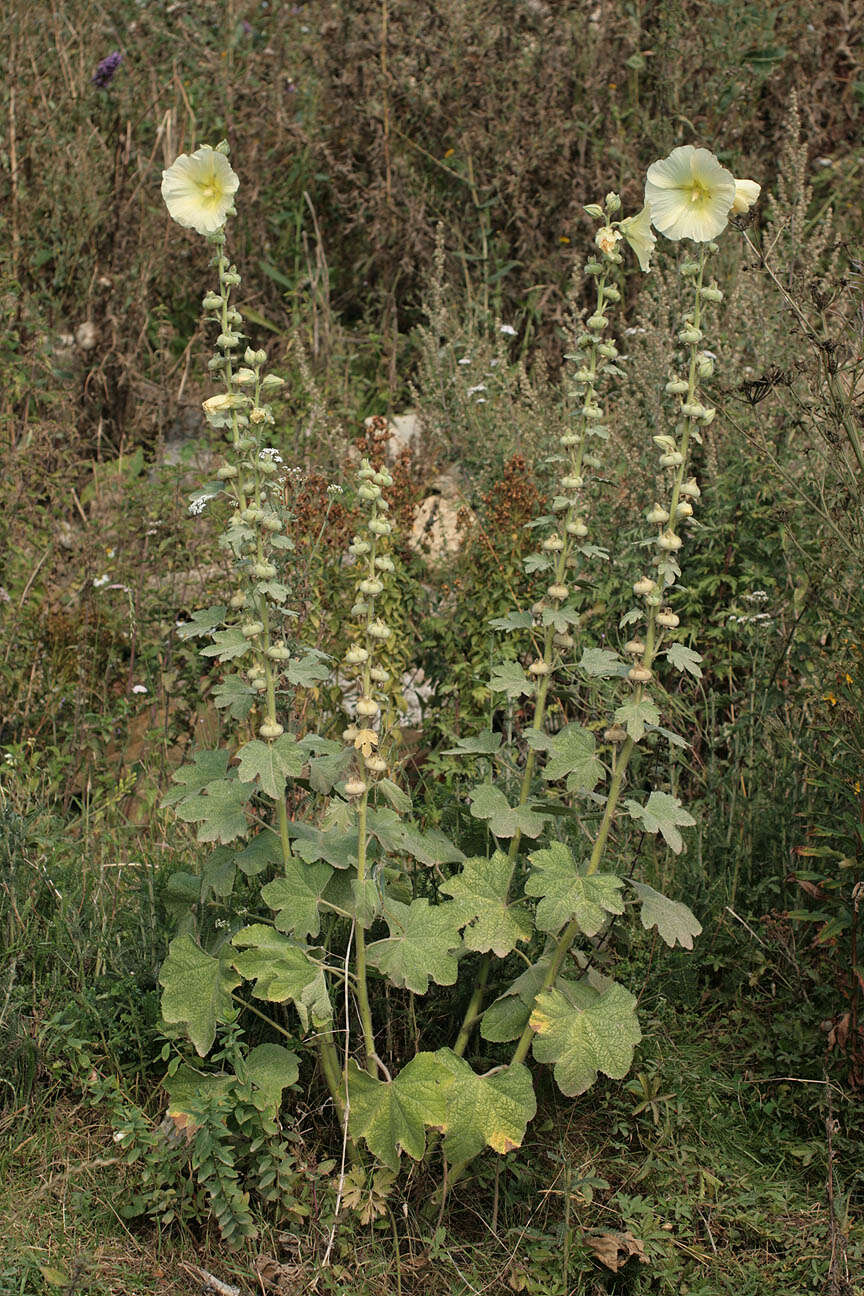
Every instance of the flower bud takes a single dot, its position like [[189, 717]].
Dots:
[[657, 515], [367, 706], [270, 729], [539, 667], [368, 491], [667, 619], [688, 268], [212, 301], [608, 350], [615, 734], [653, 600], [711, 294], [252, 629], [272, 382], [553, 544], [237, 601], [385, 564], [577, 528], [378, 630], [263, 571], [671, 460], [639, 675], [267, 467], [595, 210], [690, 335], [611, 293], [379, 527], [259, 684], [644, 586], [355, 787], [634, 647], [691, 489], [227, 341], [278, 652], [226, 472], [245, 443], [382, 479], [379, 675], [270, 522], [249, 356], [597, 323], [592, 461], [251, 514], [359, 608], [243, 377], [558, 592], [707, 416], [670, 542], [365, 472], [677, 387], [613, 203], [356, 655]]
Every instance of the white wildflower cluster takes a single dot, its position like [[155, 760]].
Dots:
[[199, 503]]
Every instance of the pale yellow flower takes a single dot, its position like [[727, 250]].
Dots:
[[199, 189], [640, 236], [689, 194], [606, 238], [746, 193]]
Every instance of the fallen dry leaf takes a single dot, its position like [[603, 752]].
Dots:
[[614, 1249]]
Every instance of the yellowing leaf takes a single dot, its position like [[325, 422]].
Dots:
[[485, 1111], [196, 990], [585, 1032], [392, 1115]]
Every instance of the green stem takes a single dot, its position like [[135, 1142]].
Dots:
[[360, 946]]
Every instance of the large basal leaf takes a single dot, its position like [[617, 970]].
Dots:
[[295, 897], [673, 920], [585, 1032], [484, 1111], [662, 813], [480, 893], [196, 991], [271, 763], [490, 803], [566, 893], [392, 1115], [271, 1068], [572, 756], [282, 970], [420, 946]]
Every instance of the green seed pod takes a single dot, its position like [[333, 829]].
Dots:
[[252, 629], [383, 479], [212, 301], [237, 601], [634, 647], [711, 294], [667, 619], [379, 675], [370, 587], [704, 365], [690, 335], [259, 684], [245, 443], [608, 350], [367, 706], [690, 488], [379, 527], [677, 387], [267, 467], [355, 787], [378, 630], [592, 461], [657, 515], [671, 460], [669, 542], [278, 652], [368, 491], [251, 514], [359, 608], [385, 564], [227, 472], [615, 734], [688, 268], [577, 528], [692, 409], [558, 592], [553, 544], [683, 509], [611, 293], [597, 323], [356, 655], [539, 667], [644, 586], [263, 571], [571, 483], [375, 764], [227, 341], [569, 439], [270, 522], [359, 547]]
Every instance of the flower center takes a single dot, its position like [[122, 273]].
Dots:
[[698, 191], [210, 192]]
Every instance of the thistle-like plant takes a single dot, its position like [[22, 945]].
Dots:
[[356, 893]]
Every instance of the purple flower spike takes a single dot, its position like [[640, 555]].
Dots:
[[104, 74]]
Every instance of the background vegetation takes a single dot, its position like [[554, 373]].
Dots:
[[731, 1159]]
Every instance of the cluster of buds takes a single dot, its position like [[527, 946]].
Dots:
[[595, 356], [250, 477], [363, 656], [669, 519]]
